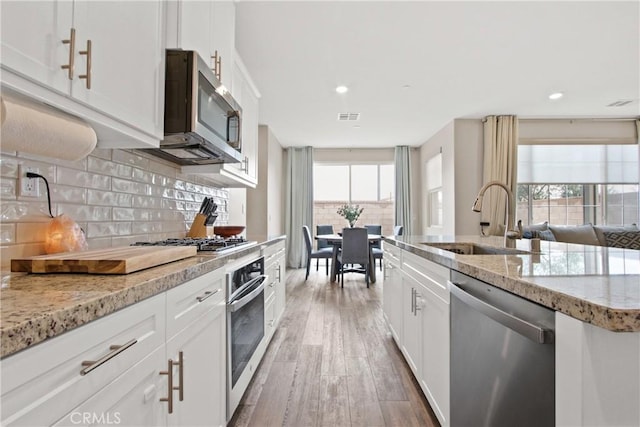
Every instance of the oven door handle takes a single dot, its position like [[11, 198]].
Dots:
[[238, 304]]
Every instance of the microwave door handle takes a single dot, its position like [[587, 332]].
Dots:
[[238, 304]]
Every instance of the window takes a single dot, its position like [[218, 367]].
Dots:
[[578, 183], [372, 186]]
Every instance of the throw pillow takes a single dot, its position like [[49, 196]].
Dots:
[[601, 229], [546, 235], [623, 239], [581, 234]]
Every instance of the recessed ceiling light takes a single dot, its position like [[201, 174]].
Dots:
[[556, 95], [342, 89], [406, 86]]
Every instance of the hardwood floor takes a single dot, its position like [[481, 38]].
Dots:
[[333, 362]]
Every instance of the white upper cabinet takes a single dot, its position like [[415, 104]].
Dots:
[[206, 27], [114, 63]]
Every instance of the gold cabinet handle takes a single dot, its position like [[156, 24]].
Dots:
[[71, 41], [90, 365], [170, 388], [87, 76], [180, 387], [217, 64]]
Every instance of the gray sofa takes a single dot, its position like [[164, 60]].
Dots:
[[623, 236]]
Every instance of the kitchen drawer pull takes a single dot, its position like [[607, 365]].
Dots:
[[279, 273], [71, 41], [87, 76], [90, 365], [207, 294]]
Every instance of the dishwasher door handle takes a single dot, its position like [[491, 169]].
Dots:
[[529, 330]]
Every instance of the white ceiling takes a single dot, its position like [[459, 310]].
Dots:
[[460, 59]]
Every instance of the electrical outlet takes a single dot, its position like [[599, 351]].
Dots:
[[29, 187]]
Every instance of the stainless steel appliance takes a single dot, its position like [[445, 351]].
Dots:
[[206, 244], [202, 121], [502, 357], [245, 327]]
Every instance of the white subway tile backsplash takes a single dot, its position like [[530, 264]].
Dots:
[[8, 167], [126, 186], [86, 212], [7, 233], [64, 193], [109, 198], [130, 157], [82, 179], [106, 167], [8, 188], [146, 202], [104, 229], [118, 197]]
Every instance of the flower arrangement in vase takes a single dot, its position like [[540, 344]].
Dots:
[[350, 213]]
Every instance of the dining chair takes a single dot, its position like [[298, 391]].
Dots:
[[325, 253], [397, 230], [355, 250], [376, 247], [323, 244]]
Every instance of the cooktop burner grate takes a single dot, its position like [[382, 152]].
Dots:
[[213, 244]]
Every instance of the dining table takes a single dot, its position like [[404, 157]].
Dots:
[[335, 240]]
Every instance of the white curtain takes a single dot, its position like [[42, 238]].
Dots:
[[299, 202], [403, 188], [500, 164]]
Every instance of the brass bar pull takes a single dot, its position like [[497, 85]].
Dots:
[[180, 387], [71, 41], [216, 63], [207, 294], [90, 365], [87, 76], [170, 388]]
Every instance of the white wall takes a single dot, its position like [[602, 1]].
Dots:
[[460, 142], [468, 136], [265, 203]]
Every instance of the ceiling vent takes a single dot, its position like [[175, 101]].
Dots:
[[620, 103], [348, 117]]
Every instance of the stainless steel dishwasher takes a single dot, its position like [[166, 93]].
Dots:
[[502, 357]]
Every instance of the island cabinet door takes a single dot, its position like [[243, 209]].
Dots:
[[412, 324], [392, 292]]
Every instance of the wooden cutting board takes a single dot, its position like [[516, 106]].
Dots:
[[122, 260]]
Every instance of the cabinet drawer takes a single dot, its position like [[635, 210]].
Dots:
[[192, 299], [43, 383], [391, 249], [433, 276], [272, 252]]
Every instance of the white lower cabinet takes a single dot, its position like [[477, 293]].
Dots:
[[274, 260], [118, 369], [392, 291], [422, 328], [47, 382], [133, 399], [201, 380]]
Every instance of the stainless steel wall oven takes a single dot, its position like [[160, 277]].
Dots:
[[245, 326]]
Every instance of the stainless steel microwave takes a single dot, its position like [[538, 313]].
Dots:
[[202, 121]]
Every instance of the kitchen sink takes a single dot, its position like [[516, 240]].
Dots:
[[475, 249]]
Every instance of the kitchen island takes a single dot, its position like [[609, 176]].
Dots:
[[594, 292]]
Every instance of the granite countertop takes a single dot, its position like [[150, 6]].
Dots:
[[35, 307], [594, 284]]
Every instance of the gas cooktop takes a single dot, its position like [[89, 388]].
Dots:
[[206, 244]]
